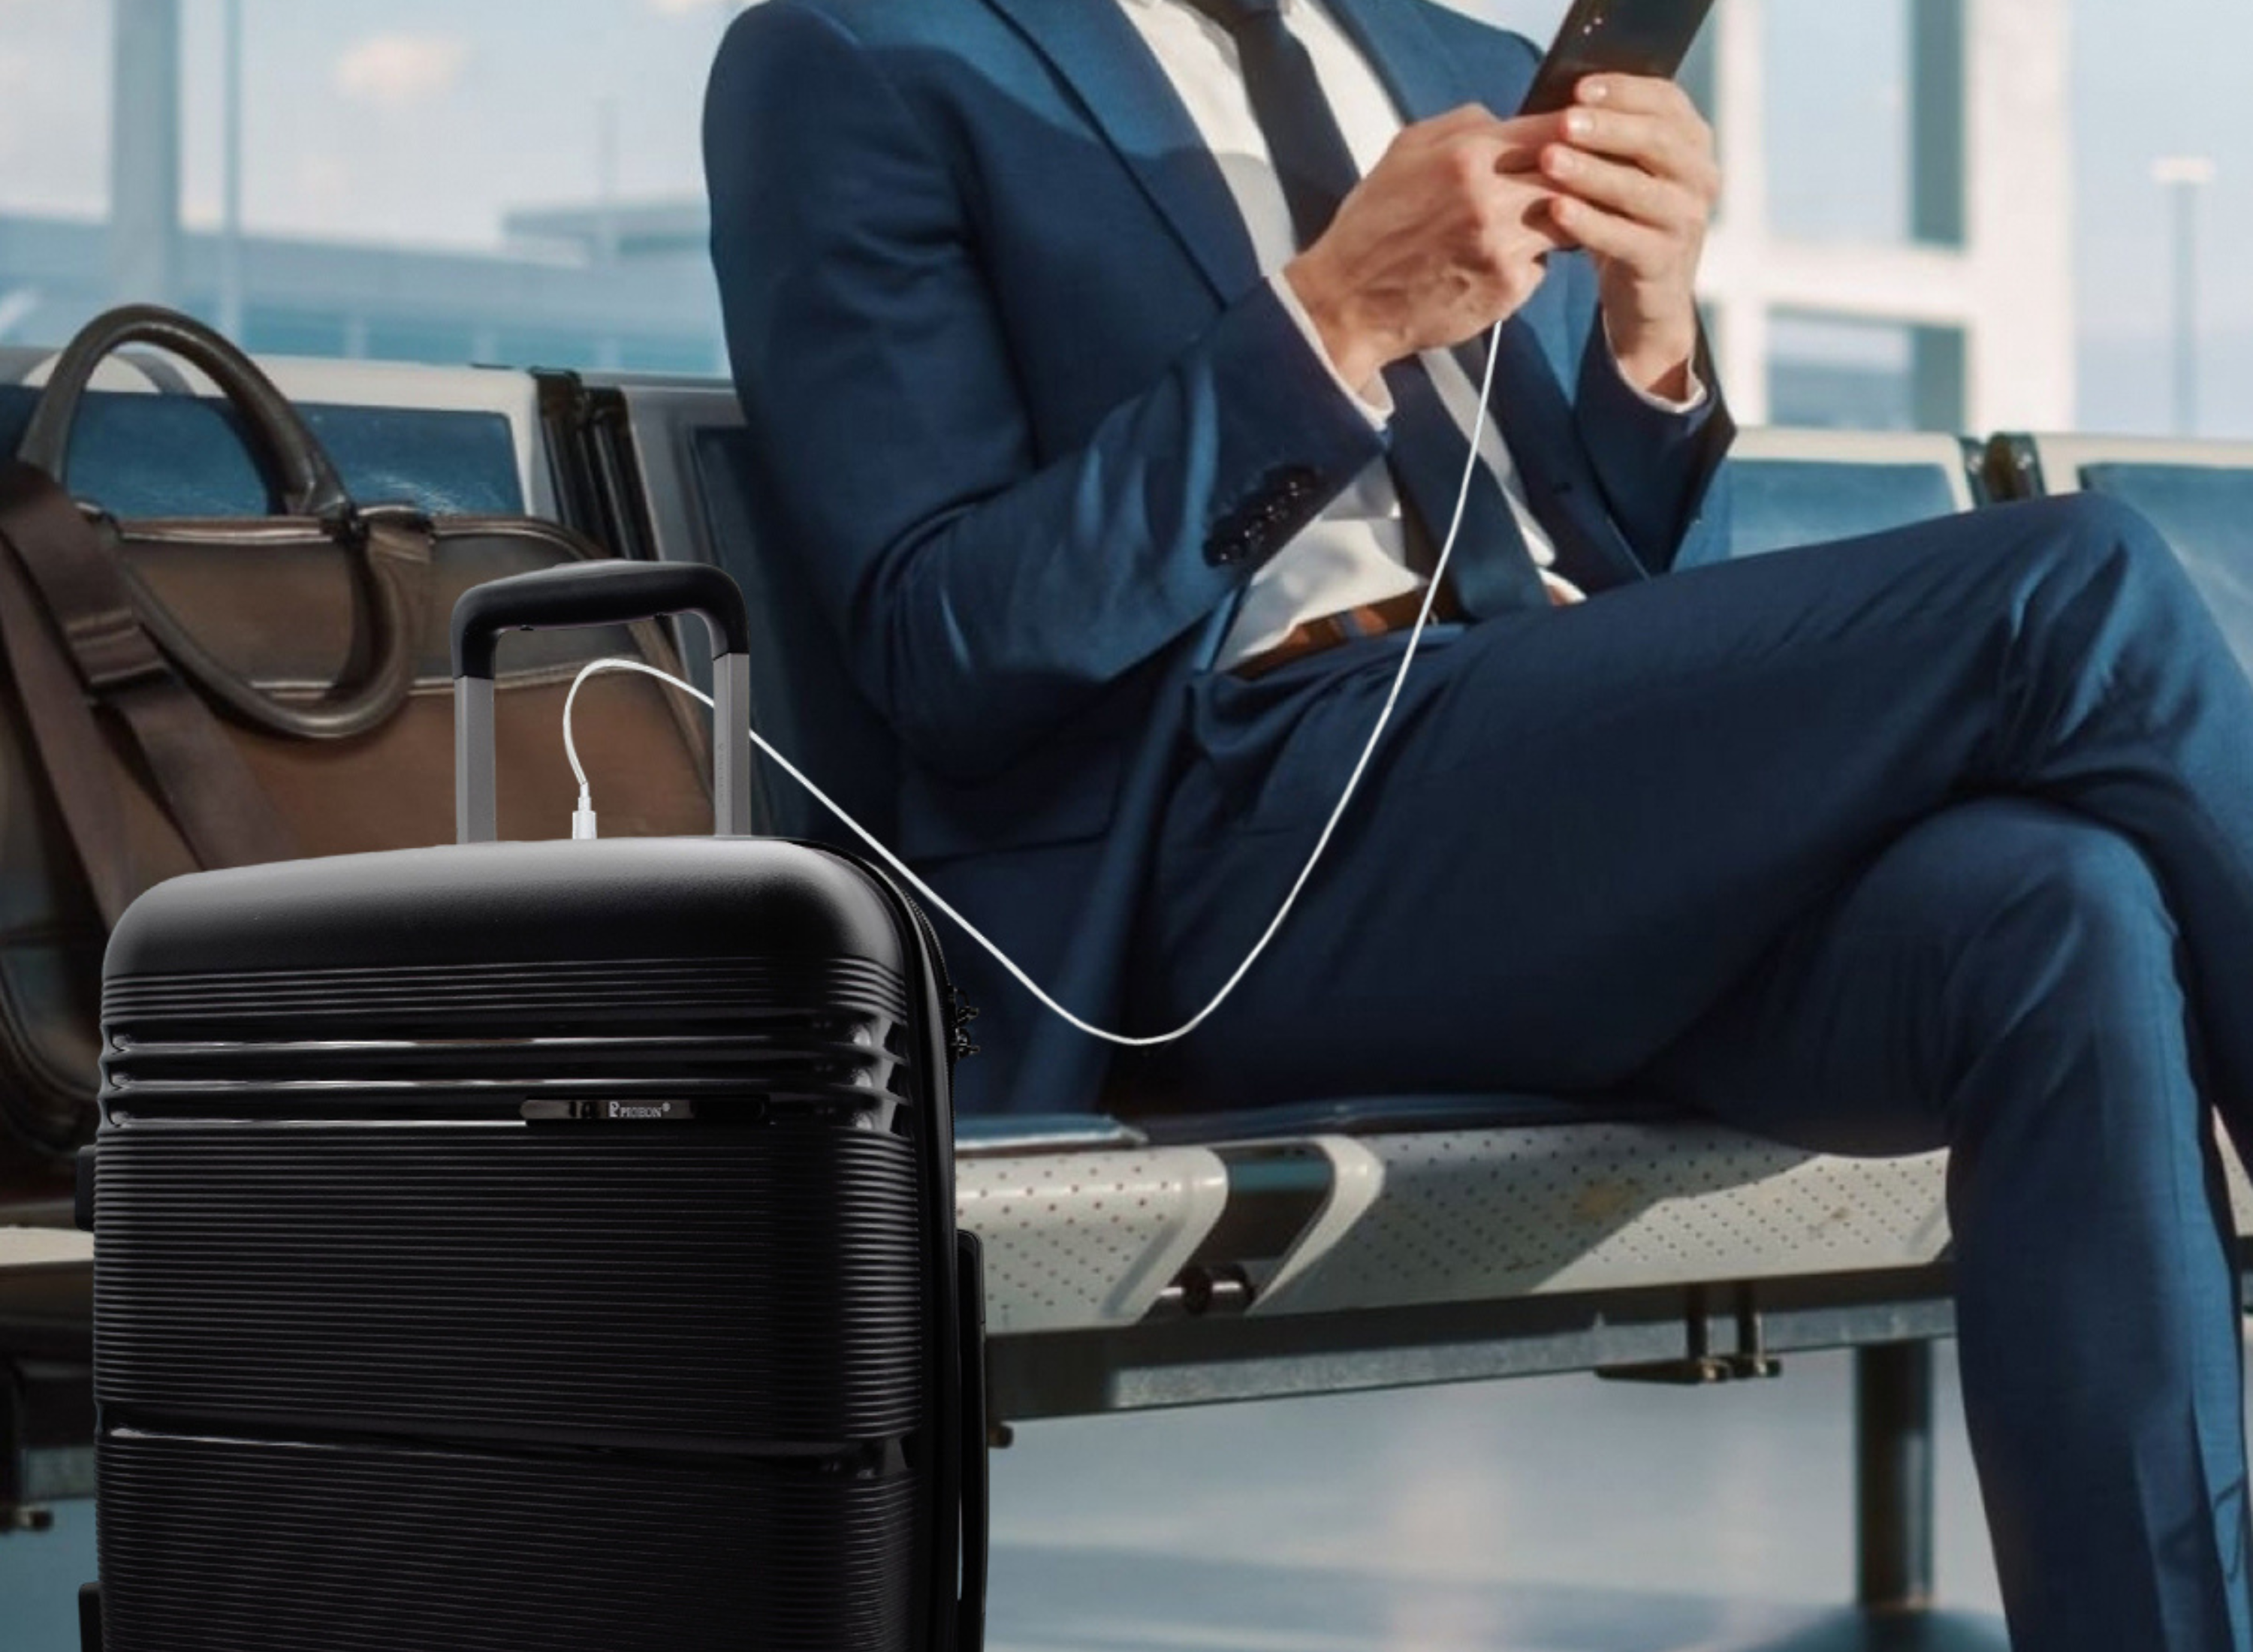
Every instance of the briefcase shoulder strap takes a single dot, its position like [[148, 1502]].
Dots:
[[208, 790], [66, 742]]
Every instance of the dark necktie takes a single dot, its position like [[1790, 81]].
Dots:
[[1492, 569]]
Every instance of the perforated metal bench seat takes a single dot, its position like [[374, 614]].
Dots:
[[1379, 1203], [1088, 1219], [1087, 1222]]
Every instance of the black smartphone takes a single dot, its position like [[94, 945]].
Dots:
[[1615, 36]]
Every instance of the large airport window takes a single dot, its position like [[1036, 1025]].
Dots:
[[1842, 96], [2055, 189], [329, 176], [1840, 373], [274, 330], [407, 340]]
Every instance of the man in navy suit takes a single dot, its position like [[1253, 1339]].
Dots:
[[1111, 365]]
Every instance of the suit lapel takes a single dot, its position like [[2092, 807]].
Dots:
[[1103, 58], [1539, 422]]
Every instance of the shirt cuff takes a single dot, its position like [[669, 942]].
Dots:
[[1688, 404], [1373, 399]]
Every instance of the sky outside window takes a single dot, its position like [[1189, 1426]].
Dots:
[[425, 123]]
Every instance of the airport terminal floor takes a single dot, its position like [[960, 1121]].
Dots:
[[1481, 1518], [1547, 1515]]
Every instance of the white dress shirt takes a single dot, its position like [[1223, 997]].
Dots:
[[1357, 551]]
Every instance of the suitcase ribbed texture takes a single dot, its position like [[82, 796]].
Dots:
[[295, 1041], [527, 1246], [590, 1282], [224, 1546], [566, 993]]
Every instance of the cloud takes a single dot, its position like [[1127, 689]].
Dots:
[[395, 71], [684, 8]]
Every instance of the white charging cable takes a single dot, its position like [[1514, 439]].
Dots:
[[583, 821]]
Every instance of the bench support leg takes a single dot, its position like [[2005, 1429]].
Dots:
[[17, 1512], [1893, 1447]]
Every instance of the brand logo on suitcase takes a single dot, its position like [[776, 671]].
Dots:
[[648, 1110], [541, 1110]]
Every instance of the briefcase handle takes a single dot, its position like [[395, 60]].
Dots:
[[393, 559], [309, 484], [601, 593]]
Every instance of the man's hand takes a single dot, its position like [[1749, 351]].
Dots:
[[1637, 184], [1444, 238]]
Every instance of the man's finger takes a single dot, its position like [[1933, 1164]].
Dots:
[[1637, 93], [1656, 144], [1607, 234], [1464, 117], [1522, 135], [1629, 190], [1525, 206], [1541, 219]]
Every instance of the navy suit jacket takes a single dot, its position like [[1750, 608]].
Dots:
[[1028, 418]]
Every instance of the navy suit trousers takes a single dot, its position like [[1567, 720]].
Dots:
[[1941, 837]]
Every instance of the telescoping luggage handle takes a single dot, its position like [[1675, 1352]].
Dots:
[[600, 594]]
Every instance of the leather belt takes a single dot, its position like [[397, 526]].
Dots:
[[1328, 631]]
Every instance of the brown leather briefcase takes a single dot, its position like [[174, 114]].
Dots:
[[185, 695]]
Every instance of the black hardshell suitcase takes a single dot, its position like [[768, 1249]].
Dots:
[[544, 1245]]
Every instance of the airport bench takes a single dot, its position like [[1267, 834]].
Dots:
[[1104, 1230], [1345, 1245]]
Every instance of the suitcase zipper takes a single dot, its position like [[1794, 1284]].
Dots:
[[959, 1011], [964, 1629]]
